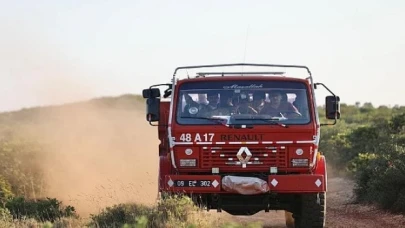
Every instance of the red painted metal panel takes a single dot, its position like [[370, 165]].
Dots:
[[162, 128], [321, 169], [297, 183]]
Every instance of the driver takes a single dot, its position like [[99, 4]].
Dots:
[[278, 107], [189, 104]]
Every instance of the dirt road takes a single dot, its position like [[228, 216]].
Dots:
[[341, 213]]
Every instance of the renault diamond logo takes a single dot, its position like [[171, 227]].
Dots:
[[244, 160]]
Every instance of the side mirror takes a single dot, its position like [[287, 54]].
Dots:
[[152, 109], [151, 93], [332, 107]]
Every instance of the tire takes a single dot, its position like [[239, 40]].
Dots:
[[312, 211], [289, 220]]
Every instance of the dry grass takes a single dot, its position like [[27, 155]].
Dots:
[[173, 212]]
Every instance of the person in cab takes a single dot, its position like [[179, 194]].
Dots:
[[245, 105], [206, 110], [259, 102], [191, 107], [280, 107]]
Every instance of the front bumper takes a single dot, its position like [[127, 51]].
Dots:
[[295, 183]]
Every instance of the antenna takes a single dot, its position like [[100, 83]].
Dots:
[[244, 54]]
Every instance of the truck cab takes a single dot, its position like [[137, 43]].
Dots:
[[243, 142]]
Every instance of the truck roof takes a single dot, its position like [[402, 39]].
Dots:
[[245, 73], [249, 77]]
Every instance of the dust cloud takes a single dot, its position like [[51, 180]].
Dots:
[[99, 156], [96, 155]]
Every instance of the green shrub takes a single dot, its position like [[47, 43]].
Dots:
[[380, 178], [385, 187], [176, 206], [119, 215], [173, 211], [42, 209]]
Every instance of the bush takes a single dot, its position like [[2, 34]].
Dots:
[[173, 211], [119, 215], [41, 210], [382, 181], [380, 171]]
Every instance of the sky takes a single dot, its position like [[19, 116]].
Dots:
[[53, 52]]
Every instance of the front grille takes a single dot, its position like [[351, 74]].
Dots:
[[261, 156]]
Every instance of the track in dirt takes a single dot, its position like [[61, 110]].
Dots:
[[104, 156]]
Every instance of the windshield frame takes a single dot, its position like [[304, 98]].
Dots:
[[261, 120]]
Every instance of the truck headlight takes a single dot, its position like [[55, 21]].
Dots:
[[188, 162], [299, 162]]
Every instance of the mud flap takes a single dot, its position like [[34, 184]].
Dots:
[[244, 185]]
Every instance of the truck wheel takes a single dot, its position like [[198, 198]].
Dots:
[[313, 211], [289, 220]]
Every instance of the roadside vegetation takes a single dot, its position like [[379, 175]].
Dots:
[[367, 144]]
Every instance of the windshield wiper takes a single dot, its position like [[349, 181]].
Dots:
[[216, 120], [272, 120]]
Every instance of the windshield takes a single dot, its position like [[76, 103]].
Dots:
[[243, 103]]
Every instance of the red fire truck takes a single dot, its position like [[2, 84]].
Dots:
[[243, 142]]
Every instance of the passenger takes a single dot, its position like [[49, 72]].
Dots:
[[225, 106], [300, 103], [277, 106], [206, 109], [235, 100], [213, 100], [245, 106], [225, 99], [202, 99], [259, 100]]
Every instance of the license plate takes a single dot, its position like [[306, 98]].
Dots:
[[193, 183]]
